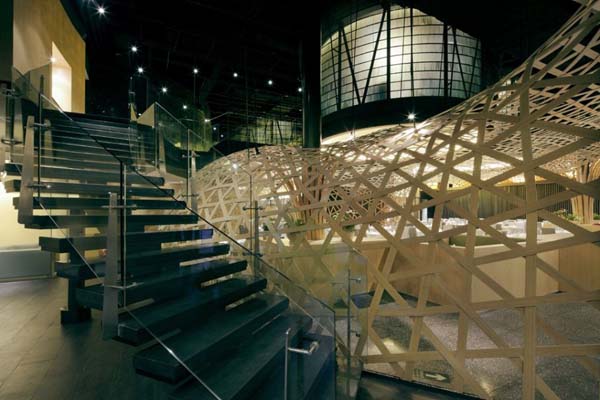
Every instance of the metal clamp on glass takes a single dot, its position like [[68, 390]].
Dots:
[[314, 345], [10, 142]]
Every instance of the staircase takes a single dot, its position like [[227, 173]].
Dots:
[[204, 323]]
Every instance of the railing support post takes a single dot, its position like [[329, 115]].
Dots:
[[112, 289]]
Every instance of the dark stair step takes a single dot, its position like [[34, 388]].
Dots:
[[86, 149], [109, 165], [91, 189], [239, 376], [147, 262], [135, 239], [162, 317], [309, 376], [164, 285], [79, 203], [135, 223], [13, 169], [210, 340]]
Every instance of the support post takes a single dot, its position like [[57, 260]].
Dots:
[[311, 84], [112, 290]]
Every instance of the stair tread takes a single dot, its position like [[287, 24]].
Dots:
[[90, 203], [92, 189], [58, 172], [63, 245], [169, 315], [173, 255], [135, 222], [199, 344], [236, 377]]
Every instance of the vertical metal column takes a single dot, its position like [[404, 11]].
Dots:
[[110, 306], [311, 83]]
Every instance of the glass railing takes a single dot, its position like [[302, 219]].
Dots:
[[221, 318]]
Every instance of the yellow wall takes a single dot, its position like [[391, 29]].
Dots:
[[37, 24]]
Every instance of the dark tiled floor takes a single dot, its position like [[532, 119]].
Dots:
[[379, 387]]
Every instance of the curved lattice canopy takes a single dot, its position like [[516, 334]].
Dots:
[[470, 230]]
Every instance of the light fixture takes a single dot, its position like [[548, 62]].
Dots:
[[134, 49], [52, 60], [164, 89], [222, 136], [185, 106], [299, 90], [140, 70], [206, 120], [101, 10], [411, 116], [270, 82], [235, 75], [214, 128], [235, 166], [195, 71]]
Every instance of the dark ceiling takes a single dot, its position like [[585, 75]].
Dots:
[[260, 40]]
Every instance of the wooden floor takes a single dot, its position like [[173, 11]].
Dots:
[[42, 360]]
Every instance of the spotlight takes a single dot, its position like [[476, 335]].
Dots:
[[270, 82], [134, 49], [299, 90], [411, 116], [164, 89], [235, 75], [101, 10], [140, 70], [195, 71]]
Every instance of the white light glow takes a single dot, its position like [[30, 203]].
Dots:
[[185, 106], [411, 116], [270, 82], [140, 70], [164, 89], [134, 49], [206, 120], [299, 90], [235, 75], [101, 10], [195, 71]]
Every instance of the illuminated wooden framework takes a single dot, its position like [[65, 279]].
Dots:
[[539, 122]]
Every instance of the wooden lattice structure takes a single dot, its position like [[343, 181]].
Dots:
[[539, 123]]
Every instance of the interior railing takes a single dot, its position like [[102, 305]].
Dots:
[[135, 173]]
